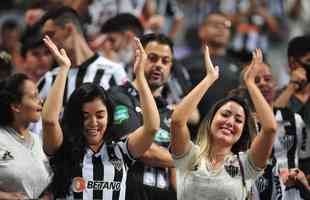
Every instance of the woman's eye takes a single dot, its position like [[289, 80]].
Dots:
[[239, 121], [100, 116]]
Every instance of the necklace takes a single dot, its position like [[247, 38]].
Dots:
[[211, 166]]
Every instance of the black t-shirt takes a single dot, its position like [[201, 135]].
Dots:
[[127, 118]]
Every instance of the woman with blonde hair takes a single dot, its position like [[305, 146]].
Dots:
[[223, 160]]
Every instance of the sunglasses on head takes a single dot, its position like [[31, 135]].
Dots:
[[153, 57]]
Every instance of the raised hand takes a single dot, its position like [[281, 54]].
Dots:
[[140, 58], [60, 55], [252, 69], [212, 72]]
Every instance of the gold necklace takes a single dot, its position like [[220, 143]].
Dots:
[[17, 134]]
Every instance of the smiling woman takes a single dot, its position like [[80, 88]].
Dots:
[[88, 163], [19, 149], [223, 154]]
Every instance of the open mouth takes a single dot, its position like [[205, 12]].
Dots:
[[92, 132], [226, 131], [156, 75]]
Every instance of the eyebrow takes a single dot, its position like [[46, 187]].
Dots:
[[238, 115], [98, 112]]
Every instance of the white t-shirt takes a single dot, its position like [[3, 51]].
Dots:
[[23, 167], [201, 184]]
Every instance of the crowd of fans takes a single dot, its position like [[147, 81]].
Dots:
[[155, 99]]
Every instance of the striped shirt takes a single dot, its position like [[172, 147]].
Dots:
[[96, 69], [285, 155], [103, 174]]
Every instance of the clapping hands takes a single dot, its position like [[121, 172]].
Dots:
[[252, 69]]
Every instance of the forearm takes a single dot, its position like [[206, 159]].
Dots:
[[176, 26], [272, 23], [188, 105], [151, 119], [142, 138], [262, 145], [284, 98], [157, 156], [173, 178], [264, 111], [53, 104], [52, 135], [180, 140]]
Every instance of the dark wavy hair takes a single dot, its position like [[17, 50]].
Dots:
[[11, 91], [203, 137], [67, 161]]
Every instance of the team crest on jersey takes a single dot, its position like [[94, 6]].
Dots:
[[232, 167], [120, 114], [261, 184], [117, 163], [78, 184]]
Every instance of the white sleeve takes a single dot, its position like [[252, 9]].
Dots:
[[250, 170], [119, 74], [183, 162], [129, 159]]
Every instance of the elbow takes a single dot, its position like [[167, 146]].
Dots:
[[153, 130], [177, 121], [271, 129]]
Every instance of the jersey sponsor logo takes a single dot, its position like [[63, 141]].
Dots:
[[78, 184], [120, 114], [104, 185]]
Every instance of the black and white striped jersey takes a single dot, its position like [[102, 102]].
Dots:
[[285, 155], [103, 174], [96, 69]]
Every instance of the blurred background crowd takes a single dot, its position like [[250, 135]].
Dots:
[[253, 23]]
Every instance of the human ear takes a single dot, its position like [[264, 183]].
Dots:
[[15, 107]]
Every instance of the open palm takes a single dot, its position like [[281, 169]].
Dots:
[[212, 71], [60, 56], [140, 57], [252, 69]]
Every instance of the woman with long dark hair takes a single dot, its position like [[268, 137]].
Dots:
[[24, 168], [88, 164], [223, 161]]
